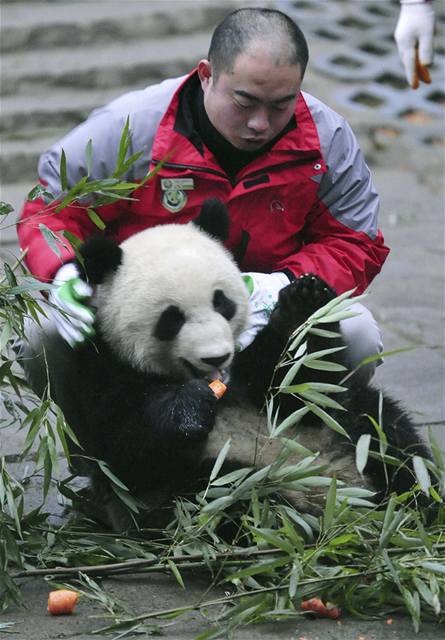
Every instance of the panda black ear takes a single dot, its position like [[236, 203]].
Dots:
[[100, 255], [214, 219]]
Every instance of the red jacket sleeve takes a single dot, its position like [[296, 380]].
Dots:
[[41, 259]]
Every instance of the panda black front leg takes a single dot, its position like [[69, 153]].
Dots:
[[299, 300], [183, 411]]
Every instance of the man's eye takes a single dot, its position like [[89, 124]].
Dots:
[[279, 107], [243, 105]]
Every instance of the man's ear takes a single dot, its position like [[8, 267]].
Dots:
[[205, 73]]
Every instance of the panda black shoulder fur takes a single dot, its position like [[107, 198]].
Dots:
[[170, 305]]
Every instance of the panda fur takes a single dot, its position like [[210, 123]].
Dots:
[[170, 304]]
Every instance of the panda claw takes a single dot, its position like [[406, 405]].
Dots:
[[299, 300]]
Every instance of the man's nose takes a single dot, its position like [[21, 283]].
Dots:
[[259, 121]]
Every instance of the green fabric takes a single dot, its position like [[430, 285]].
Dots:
[[250, 285], [69, 295]]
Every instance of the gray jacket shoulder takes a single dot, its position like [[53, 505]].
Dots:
[[346, 188]]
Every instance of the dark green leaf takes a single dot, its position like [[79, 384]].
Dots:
[[96, 219], [50, 238], [5, 208], [89, 157], [63, 176]]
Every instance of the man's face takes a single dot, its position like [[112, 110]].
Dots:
[[251, 104]]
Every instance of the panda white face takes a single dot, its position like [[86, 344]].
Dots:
[[175, 305]]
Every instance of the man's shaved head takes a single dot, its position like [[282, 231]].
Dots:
[[244, 28]]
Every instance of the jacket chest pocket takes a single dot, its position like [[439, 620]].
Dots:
[[273, 218], [172, 198]]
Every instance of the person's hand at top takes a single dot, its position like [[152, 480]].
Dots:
[[414, 37]]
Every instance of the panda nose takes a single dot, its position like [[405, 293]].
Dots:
[[216, 362]]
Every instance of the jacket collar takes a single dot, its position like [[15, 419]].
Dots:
[[178, 139]]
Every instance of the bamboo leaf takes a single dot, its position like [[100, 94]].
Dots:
[[218, 505], [89, 157], [391, 522], [361, 451], [325, 365], [324, 333], [259, 568], [114, 479], [175, 571], [319, 400], [51, 239], [100, 224], [422, 475], [275, 541], [436, 567], [328, 420], [62, 170], [231, 477], [220, 460], [291, 420], [293, 579], [331, 499], [290, 375], [124, 144], [336, 317], [125, 497], [5, 208]]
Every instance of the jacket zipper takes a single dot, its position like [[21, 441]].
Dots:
[[174, 165], [221, 174]]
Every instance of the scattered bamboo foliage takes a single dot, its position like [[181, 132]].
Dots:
[[369, 561]]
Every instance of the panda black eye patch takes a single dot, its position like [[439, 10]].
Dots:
[[169, 323], [223, 305]]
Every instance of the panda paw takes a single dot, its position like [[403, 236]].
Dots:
[[196, 410], [299, 300]]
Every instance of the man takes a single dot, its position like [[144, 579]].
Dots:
[[299, 193]]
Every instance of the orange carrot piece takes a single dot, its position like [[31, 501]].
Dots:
[[218, 388], [317, 606], [62, 601], [420, 73]]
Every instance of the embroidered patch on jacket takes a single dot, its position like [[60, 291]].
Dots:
[[174, 197]]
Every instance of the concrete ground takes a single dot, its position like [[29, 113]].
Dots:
[[403, 142]]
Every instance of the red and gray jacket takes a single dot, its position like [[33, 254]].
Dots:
[[306, 205]]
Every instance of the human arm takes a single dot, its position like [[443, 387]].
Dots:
[[341, 242], [104, 130], [144, 109], [263, 290], [414, 37]]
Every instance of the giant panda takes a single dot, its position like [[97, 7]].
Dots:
[[170, 304]]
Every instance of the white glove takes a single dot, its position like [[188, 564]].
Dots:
[[73, 318], [415, 31], [263, 291]]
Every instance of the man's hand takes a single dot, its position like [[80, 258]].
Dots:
[[263, 291], [414, 37], [74, 319]]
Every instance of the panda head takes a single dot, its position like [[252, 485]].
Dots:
[[170, 300]]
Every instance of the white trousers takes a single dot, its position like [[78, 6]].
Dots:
[[363, 338]]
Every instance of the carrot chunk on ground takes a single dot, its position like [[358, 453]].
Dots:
[[62, 601], [315, 605]]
